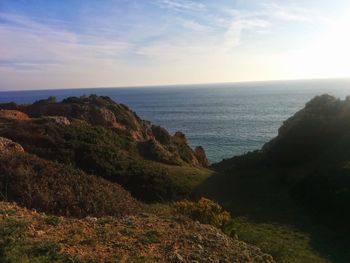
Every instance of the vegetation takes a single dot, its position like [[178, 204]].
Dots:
[[85, 107], [285, 243], [327, 194], [28, 236], [59, 189], [106, 139], [299, 181], [290, 198], [15, 248], [205, 211]]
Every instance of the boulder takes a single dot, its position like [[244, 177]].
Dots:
[[99, 116], [59, 120], [9, 147]]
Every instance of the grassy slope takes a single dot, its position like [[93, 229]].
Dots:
[[106, 153], [187, 176], [286, 243], [27, 236], [264, 215]]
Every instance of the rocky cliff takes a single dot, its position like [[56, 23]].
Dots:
[[107, 139], [105, 112]]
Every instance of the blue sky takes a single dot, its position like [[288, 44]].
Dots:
[[92, 43]]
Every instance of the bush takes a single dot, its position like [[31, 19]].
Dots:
[[205, 211], [150, 182], [153, 150], [161, 135], [59, 189]]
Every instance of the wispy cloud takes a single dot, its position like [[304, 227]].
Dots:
[[28, 64], [169, 41], [182, 5], [27, 42], [194, 25], [290, 13], [263, 19], [234, 32], [273, 11]]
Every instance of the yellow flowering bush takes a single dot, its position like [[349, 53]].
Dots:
[[205, 211]]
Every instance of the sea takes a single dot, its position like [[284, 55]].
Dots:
[[226, 119]]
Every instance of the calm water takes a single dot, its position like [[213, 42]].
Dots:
[[227, 119]]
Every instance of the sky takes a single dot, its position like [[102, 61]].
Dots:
[[93, 43]]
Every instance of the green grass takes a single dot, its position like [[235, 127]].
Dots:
[[285, 243], [255, 199], [188, 176]]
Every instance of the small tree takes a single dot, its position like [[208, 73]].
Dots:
[[51, 99]]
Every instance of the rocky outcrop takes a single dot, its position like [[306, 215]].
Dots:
[[201, 156], [195, 157], [59, 120], [13, 114], [161, 135], [155, 142], [93, 109], [179, 138], [153, 150], [9, 147], [101, 116]]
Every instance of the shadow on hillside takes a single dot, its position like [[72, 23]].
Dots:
[[262, 197]]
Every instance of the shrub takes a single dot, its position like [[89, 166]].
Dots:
[[153, 150], [60, 189], [205, 211], [150, 182], [161, 135]]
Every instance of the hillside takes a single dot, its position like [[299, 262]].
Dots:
[[124, 230], [299, 180], [105, 138], [56, 189], [312, 147], [29, 236], [69, 167], [89, 165]]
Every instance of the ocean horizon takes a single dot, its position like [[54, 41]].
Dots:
[[227, 119]]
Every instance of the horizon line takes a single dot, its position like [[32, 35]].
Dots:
[[182, 84]]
